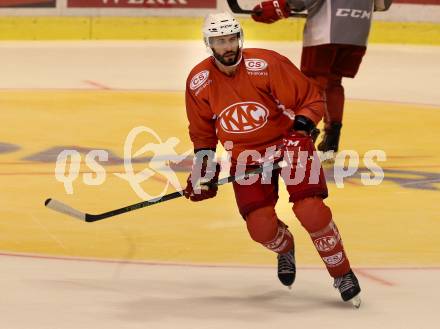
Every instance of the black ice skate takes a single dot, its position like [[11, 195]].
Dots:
[[287, 268], [349, 288], [330, 140]]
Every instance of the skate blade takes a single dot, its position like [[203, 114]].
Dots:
[[356, 301]]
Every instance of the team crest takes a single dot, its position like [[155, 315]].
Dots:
[[243, 117]]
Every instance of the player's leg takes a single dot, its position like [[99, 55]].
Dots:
[[308, 206], [266, 228], [317, 63], [334, 109], [346, 63], [327, 65], [317, 219], [256, 203], [335, 98]]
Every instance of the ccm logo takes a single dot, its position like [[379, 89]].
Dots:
[[355, 13], [243, 117], [199, 79], [255, 64]]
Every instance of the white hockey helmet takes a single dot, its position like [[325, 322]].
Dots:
[[219, 24]]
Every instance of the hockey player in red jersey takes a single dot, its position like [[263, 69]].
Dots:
[[334, 43], [257, 100]]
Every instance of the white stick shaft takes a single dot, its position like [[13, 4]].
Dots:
[[65, 209]]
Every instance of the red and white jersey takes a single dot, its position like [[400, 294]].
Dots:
[[344, 22], [254, 108]]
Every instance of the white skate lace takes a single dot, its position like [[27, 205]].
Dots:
[[344, 283]]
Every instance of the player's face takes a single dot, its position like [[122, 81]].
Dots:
[[225, 48]]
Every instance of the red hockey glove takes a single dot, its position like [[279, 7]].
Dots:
[[271, 11], [296, 141], [299, 139], [298, 153], [203, 174]]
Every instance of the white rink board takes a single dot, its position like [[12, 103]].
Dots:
[[397, 13]]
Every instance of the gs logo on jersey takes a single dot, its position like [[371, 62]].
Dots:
[[255, 64], [199, 79], [243, 117]]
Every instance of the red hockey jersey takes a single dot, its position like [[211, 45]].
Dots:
[[254, 108]]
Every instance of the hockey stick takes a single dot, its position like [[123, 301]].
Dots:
[[67, 210], [235, 7]]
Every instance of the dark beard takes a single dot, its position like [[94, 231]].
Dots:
[[227, 62]]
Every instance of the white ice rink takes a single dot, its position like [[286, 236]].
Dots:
[[69, 294]]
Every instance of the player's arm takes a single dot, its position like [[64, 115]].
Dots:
[[201, 122], [296, 92], [274, 10], [203, 136]]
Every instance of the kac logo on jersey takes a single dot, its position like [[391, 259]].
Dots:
[[255, 64], [199, 79], [243, 117]]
